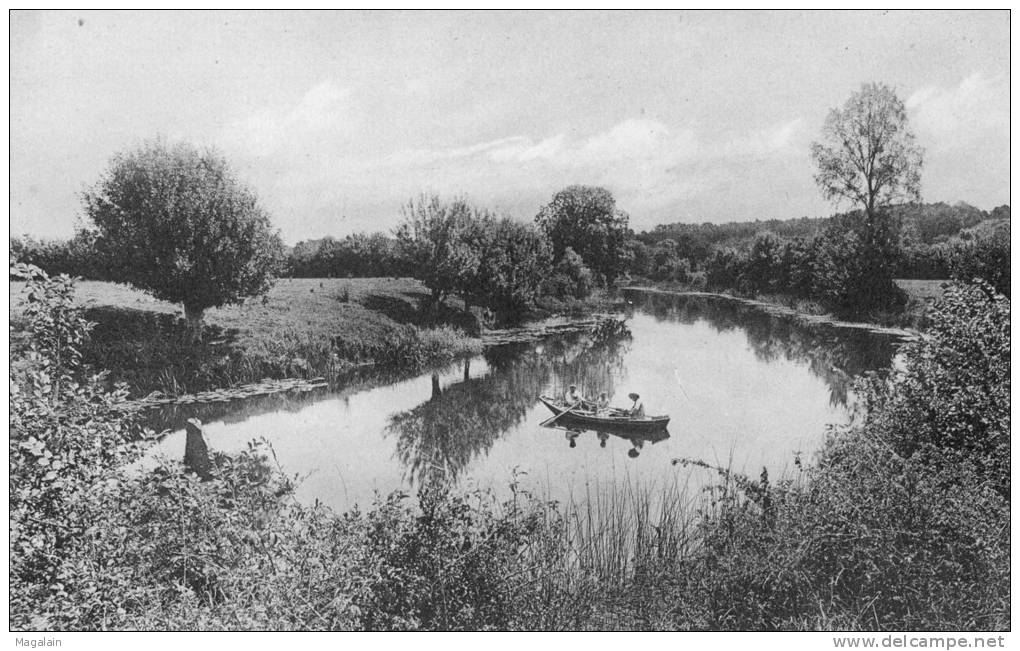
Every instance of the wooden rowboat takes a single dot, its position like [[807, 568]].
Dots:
[[588, 419]]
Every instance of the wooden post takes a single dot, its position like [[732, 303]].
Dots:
[[196, 452]]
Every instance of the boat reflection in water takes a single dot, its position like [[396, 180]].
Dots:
[[637, 440]]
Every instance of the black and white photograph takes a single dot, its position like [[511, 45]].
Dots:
[[689, 321]]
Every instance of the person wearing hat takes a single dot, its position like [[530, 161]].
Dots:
[[574, 397], [637, 410]]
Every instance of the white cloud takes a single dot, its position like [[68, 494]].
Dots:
[[979, 105], [314, 168], [325, 110], [522, 150], [964, 130], [631, 139]]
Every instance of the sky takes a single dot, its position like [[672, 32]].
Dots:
[[338, 119]]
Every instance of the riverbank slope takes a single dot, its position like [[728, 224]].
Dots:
[[302, 328], [908, 323]]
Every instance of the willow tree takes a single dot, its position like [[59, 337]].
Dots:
[[175, 222]]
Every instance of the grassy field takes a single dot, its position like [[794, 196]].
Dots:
[[920, 295], [922, 290], [302, 328]]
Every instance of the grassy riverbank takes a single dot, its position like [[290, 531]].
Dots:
[[303, 328], [914, 315]]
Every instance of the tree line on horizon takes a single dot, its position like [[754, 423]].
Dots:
[[933, 241], [174, 221]]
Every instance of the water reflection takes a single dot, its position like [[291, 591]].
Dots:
[[437, 439], [744, 389], [173, 416], [636, 440], [833, 354]]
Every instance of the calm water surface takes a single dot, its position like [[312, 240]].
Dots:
[[744, 389]]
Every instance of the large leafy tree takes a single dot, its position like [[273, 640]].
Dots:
[[174, 221], [586, 219], [514, 260], [867, 154], [437, 242]]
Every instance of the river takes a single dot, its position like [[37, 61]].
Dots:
[[744, 389]]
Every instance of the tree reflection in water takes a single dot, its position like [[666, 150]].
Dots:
[[437, 439], [834, 354]]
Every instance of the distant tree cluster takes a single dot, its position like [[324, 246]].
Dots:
[[697, 242], [844, 269], [578, 242], [73, 257], [355, 256], [867, 156], [455, 248]]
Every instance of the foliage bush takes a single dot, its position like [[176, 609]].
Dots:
[[855, 262], [67, 434], [74, 257], [98, 544], [515, 259], [904, 521], [723, 269], [667, 263], [355, 256], [985, 258], [570, 278]]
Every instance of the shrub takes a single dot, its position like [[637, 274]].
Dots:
[[723, 269], [904, 521], [570, 278], [66, 436], [985, 258], [514, 260], [855, 262], [98, 545], [952, 395]]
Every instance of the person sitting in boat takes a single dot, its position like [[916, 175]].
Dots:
[[574, 397], [637, 409], [602, 404]]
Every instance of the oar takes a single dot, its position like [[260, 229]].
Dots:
[[552, 420]]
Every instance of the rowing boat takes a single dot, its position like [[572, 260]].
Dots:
[[604, 421]]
